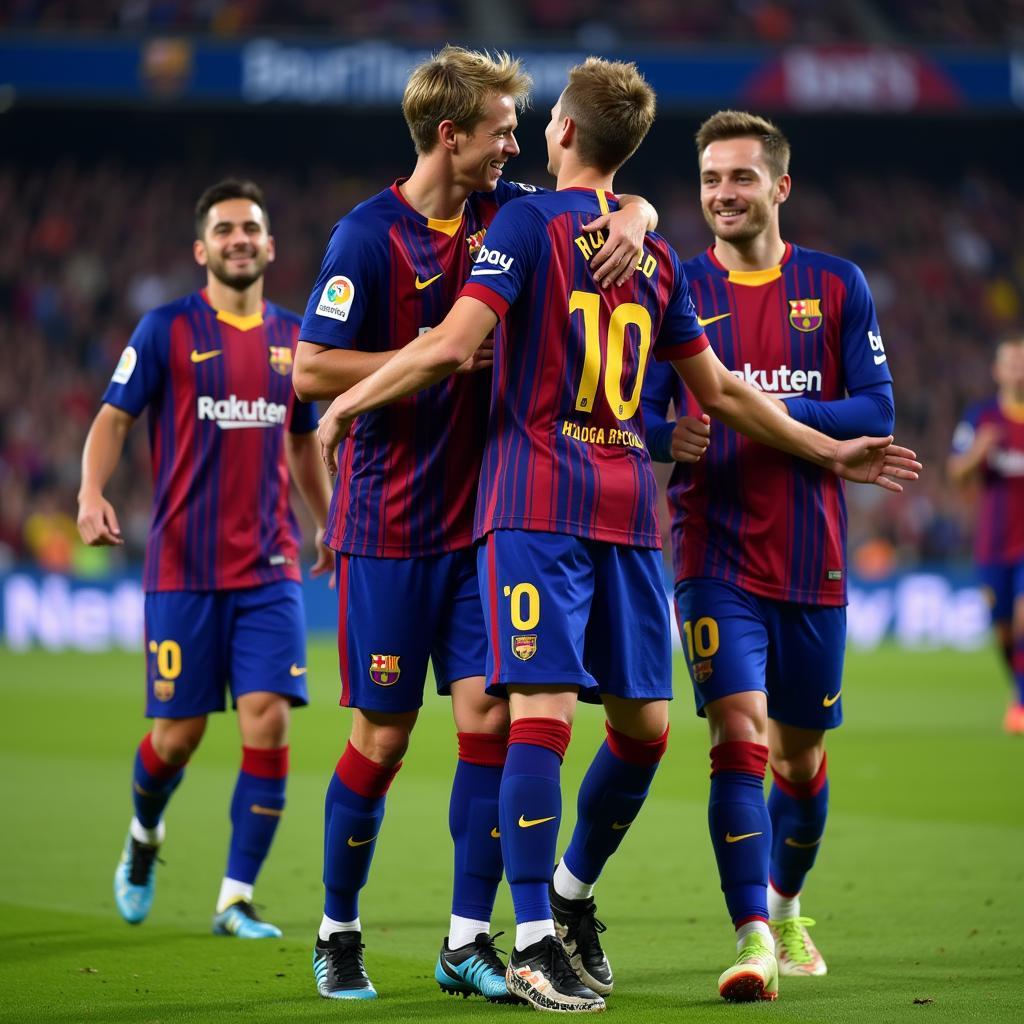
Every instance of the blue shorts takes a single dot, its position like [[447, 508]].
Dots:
[[565, 610], [736, 642], [198, 642], [1002, 584], [395, 614]]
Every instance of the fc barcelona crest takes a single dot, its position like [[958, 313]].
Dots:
[[475, 242], [524, 646], [701, 671], [384, 670], [805, 314], [163, 689], [281, 359]]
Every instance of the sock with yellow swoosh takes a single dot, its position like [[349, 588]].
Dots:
[[153, 782], [256, 809], [610, 798], [741, 829], [530, 809], [353, 813], [798, 811], [473, 822]]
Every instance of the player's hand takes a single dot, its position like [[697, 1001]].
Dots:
[[875, 460], [616, 261], [691, 438], [481, 359], [97, 523], [332, 430], [324, 558]]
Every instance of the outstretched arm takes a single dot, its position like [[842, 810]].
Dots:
[[865, 460], [424, 361], [97, 520]]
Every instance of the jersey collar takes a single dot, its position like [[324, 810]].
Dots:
[[751, 278]]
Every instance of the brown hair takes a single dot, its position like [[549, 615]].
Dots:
[[738, 124], [613, 109], [229, 188], [455, 85]]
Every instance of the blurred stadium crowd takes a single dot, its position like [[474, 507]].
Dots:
[[601, 23], [91, 247]]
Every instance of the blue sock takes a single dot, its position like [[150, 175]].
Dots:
[[610, 798], [530, 809], [798, 811], [473, 821], [153, 783], [256, 809], [353, 813], [741, 830]]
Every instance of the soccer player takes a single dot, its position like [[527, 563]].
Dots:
[[570, 568], [402, 513], [223, 598], [988, 450], [759, 538]]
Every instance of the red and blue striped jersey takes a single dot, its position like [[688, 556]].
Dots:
[[766, 521], [408, 474], [219, 391], [565, 450], [999, 531]]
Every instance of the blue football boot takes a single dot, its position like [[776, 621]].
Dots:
[[473, 970], [242, 921], [135, 880]]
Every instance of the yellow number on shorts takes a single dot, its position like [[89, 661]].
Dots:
[[701, 637], [624, 315], [168, 658], [515, 595]]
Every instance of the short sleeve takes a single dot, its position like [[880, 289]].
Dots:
[[142, 369], [963, 435], [345, 288], [514, 247], [680, 336]]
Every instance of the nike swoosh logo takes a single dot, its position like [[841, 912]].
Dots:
[[296, 671], [701, 322], [730, 838], [802, 846], [827, 701], [880, 359], [616, 827], [523, 823], [420, 285], [272, 812], [360, 842], [201, 357], [495, 834]]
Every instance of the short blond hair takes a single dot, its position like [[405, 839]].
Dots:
[[612, 107], [739, 124], [455, 85]]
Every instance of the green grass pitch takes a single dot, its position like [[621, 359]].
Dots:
[[918, 892]]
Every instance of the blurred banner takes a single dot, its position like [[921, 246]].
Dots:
[[915, 610], [181, 70]]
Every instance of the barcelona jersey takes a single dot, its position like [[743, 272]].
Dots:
[[219, 391], [408, 474], [768, 522], [565, 450], [999, 535]]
